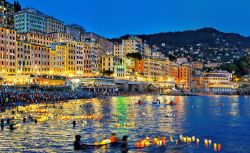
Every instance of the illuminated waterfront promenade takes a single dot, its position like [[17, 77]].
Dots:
[[96, 119]]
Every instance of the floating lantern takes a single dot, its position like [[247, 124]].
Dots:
[[147, 142], [171, 138], [219, 147], [197, 141], [184, 139], [215, 147], [117, 125], [193, 138], [206, 142], [164, 140], [155, 140], [159, 142], [209, 141], [181, 136], [139, 144]]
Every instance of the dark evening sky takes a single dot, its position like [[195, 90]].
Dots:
[[113, 18]]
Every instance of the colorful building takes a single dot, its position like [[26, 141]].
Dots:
[[58, 59], [132, 44], [40, 60], [8, 51], [61, 37], [184, 77], [212, 82], [24, 58], [37, 39]]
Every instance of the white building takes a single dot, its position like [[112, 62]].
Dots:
[[29, 20], [181, 60]]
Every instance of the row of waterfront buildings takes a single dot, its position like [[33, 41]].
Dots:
[[40, 49]]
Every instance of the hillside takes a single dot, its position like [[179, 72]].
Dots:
[[202, 44]]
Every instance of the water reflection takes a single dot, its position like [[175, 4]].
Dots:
[[98, 118]]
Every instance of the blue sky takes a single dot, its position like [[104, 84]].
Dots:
[[113, 18]]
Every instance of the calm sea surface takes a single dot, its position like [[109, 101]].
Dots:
[[197, 116]]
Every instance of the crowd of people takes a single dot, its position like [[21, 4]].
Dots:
[[14, 96], [11, 97]]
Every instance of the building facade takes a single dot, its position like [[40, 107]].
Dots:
[[29, 20], [75, 31], [54, 25], [7, 51], [6, 14]]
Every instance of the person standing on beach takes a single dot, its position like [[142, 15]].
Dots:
[[124, 144]]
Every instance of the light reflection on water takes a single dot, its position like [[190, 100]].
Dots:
[[192, 116]]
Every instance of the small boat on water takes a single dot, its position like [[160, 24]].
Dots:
[[220, 104], [141, 102], [157, 102], [171, 103]]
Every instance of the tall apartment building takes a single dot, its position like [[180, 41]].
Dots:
[[24, 58], [71, 58], [75, 31], [118, 52], [153, 69], [79, 58], [6, 14], [132, 45], [106, 45], [184, 76], [29, 20], [87, 58], [7, 51], [40, 59], [54, 25], [58, 53]]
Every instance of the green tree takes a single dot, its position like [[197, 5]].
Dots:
[[135, 56], [108, 72]]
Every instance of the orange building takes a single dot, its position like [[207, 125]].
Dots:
[[184, 76], [139, 66]]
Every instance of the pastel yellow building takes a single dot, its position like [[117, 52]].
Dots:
[[113, 65], [58, 58], [118, 51], [24, 58], [132, 44], [154, 69], [37, 39]]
